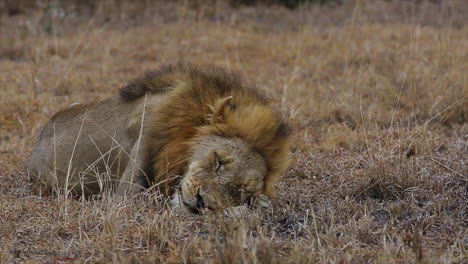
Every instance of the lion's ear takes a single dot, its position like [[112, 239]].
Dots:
[[217, 114]]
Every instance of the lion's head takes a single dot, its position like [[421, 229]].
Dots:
[[223, 172], [214, 142]]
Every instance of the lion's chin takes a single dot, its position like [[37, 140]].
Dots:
[[180, 207]]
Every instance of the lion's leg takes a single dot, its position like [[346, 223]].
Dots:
[[130, 182]]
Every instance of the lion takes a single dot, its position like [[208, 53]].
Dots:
[[199, 136]]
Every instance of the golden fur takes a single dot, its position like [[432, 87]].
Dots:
[[184, 108], [181, 121]]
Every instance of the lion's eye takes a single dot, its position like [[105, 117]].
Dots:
[[218, 162]]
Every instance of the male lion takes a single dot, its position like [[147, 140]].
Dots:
[[200, 135]]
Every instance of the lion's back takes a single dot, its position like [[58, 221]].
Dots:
[[83, 140]]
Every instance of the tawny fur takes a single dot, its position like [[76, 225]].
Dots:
[[194, 109], [184, 105]]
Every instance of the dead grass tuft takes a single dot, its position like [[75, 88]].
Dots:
[[377, 95]]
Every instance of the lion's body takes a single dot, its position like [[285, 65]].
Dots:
[[88, 143], [185, 111]]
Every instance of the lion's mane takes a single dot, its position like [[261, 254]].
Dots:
[[196, 107]]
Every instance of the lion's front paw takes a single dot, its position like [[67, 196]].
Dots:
[[263, 201], [237, 211]]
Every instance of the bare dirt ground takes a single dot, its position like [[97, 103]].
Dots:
[[376, 92]]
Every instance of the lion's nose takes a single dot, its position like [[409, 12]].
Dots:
[[200, 202]]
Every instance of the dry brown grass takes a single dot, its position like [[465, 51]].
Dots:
[[377, 94]]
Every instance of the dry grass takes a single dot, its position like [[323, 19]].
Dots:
[[377, 94]]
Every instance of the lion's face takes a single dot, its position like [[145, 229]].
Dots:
[[223, 172]]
